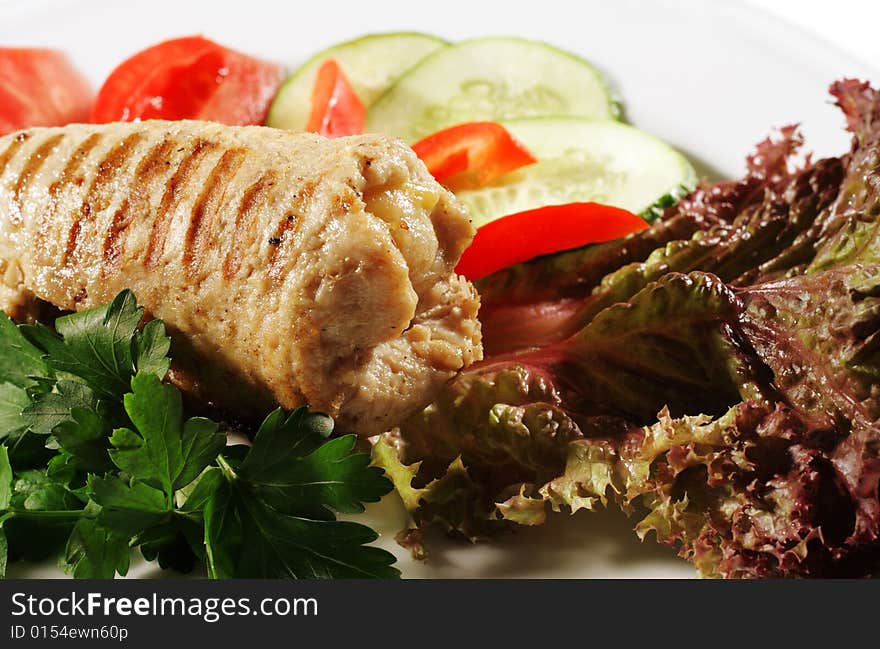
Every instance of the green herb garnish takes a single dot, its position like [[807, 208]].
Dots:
[[97, 457]]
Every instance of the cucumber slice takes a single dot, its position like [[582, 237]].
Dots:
[[372, 64], [582, 160], [490, 79]]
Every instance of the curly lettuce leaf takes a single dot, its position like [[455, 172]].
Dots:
[[764, 459], [453, 501], [670, 345], [853, 234], [508, 432]]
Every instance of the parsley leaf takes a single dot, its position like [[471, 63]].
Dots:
[[5, 479], [39, 491], [96, 452], [94, 552], [164, 452], [21, 368], [49, 409], [128, 507], [5, 498], [20, 362], [103, 347], [174, 545], [294, 468], [80, 422], [247, 538], [151, 347], [271, 516], [13, 400], [4, 551]]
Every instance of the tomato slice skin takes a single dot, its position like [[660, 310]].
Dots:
[[474, 153], [189, 78], [40, 87], [337, 111], [525, 235]]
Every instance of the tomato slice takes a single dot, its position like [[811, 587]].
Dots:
[[336, 108], [522, 236], [474, 153], [189, 78], [40, 88]]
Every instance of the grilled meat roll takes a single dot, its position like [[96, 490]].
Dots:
[[290, 269]]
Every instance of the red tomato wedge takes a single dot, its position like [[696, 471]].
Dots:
[[478, 152], [40, 88], [189, 78], [336, 108], [522, 236]]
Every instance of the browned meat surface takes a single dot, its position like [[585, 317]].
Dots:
[[291, 269]]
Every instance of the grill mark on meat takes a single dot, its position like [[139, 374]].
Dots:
[[280, 355], [74, 164], [206, 206], [287, 229], [114, 242], [147, 174], [9, 152], [99, 194], [71, 168], [253, 199], [31, 166], [175, 190]]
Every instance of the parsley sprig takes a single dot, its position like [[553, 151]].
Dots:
[[97, 457]]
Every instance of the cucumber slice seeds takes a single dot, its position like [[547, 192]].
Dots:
[[556, 104], [371, 63], [490, 79], [582, 160]]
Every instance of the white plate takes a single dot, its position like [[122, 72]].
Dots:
[[712, 78]]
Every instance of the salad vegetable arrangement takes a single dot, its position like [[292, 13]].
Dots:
[[703, 357], [715, 374]]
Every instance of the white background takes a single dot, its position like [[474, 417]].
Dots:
[[852, 25]]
